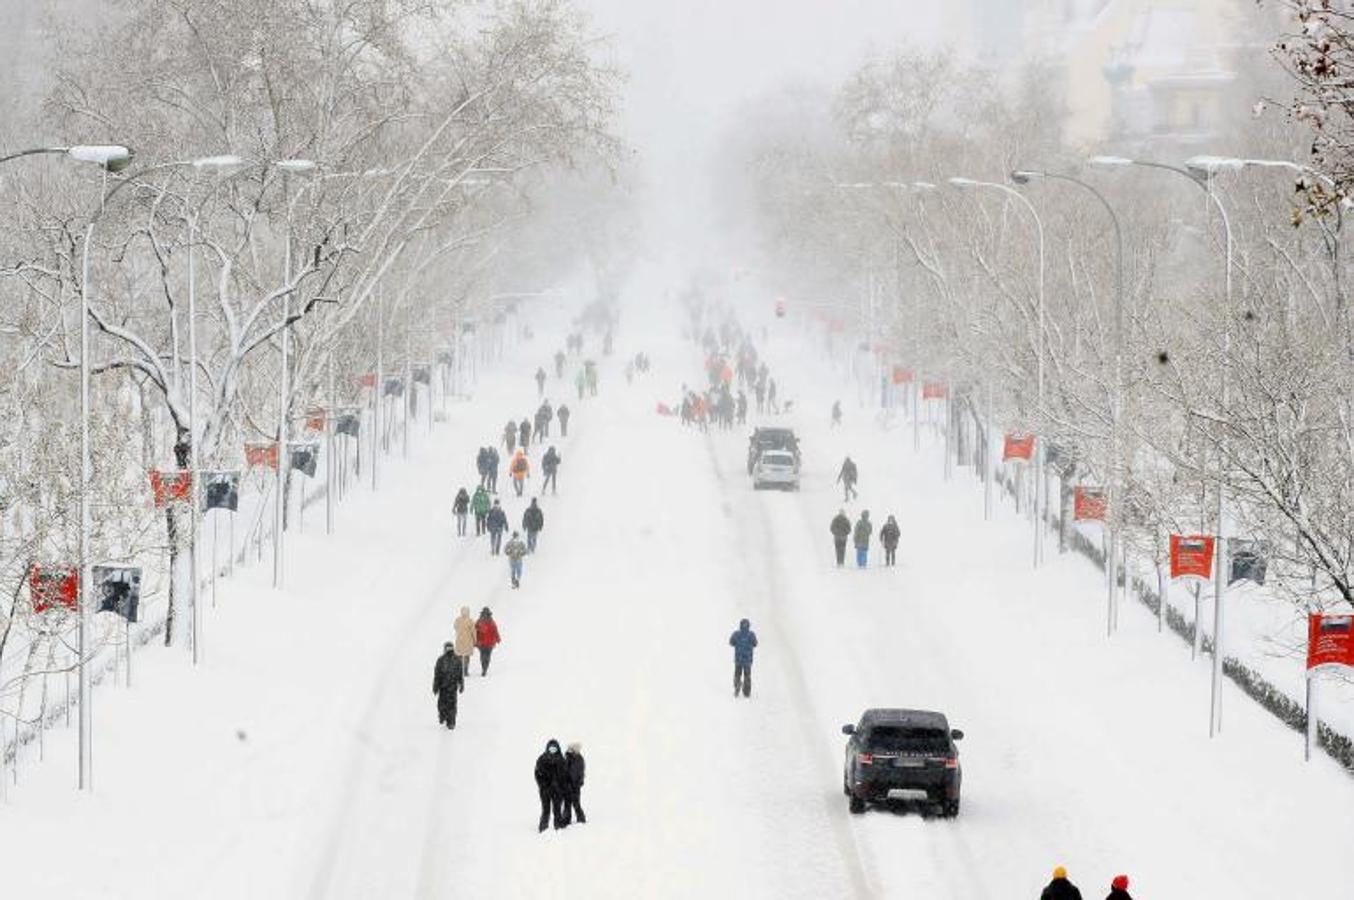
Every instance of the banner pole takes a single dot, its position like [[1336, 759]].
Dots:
[[1311, 720]]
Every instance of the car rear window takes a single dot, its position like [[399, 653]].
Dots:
[[904, 739], [778, 459]]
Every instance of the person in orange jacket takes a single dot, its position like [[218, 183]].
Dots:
[[519, 469]]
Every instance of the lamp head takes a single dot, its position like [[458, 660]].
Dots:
[[1110, 162]]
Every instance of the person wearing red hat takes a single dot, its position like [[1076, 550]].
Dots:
[[1119, 889], [1060, 888]]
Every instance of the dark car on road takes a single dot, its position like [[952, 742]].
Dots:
[[902, 755], [771, 439]]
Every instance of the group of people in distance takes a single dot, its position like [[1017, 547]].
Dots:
[[453, 666], [1060, 888]]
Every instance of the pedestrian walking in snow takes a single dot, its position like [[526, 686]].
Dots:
[[559, 363], [524, 434], [540, 382], [771, 396], [841, 530], [533, 520], [580, 382], [1118, 888], [493, 469], [550, 466], [836, 413], [460, 508], [497, 523], [482, 465], [888, 536], [515, 550], [1060, 888], [552, 780], [464, 640], [486, 638], [519, 470], [847, 479], [479, 505], [574, 767], [543, 416], [590, 375], [861, 538], [742, 408], [510, 435], [743, 641], [563, 415], [448, 682]]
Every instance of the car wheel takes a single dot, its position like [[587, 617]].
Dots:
[[857, 806], [756, 485], [950, 809]]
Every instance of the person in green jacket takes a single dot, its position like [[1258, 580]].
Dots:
[[479, 505], [580, 382]]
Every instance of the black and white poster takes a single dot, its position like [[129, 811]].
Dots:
[[423, 373], [348, 423], [394, 387], [304, 455], [118, 590], [1250, 560], [220, 490]]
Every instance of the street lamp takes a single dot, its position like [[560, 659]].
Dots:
[[1039, 479], [1200, 171], [1023, 177], [109, 158]]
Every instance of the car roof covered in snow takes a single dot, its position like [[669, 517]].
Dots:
[[917, 718]]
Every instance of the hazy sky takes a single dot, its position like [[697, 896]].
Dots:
[[693, 62]]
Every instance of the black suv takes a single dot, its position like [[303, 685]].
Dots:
[[771, 439], [904, 754]]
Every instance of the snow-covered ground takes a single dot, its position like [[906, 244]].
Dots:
[[304, 759]]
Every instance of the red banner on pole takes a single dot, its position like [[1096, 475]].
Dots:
[[1089, 504], [171, 487], [1330, 640], [50, 586], [934, 390], [1191, 556], [1019, 447], [901, 375], [367, 380], [260, 454]]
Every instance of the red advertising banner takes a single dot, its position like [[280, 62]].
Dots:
[[1191, 556], [260, 454], [50, 586], [934, 390], [171, 487], [901, 375], [367, 380], [1089, 504], [315, 419], [1330, 640], [1019, 447]]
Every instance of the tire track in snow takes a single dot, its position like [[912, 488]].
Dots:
[[854, 857]]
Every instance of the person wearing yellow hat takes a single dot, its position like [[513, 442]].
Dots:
[[1060, 888]]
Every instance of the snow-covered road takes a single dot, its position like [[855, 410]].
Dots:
[[1078, 750]]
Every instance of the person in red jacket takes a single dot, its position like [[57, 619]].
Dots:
[[486, 638], [1119, 889]]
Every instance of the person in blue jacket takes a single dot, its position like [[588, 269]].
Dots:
[[743, 641]]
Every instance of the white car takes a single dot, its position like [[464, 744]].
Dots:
[[776, 468]]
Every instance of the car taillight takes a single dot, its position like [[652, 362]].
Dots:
[[864, 758], [952, 762]]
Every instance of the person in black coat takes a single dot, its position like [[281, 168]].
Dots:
[[574, 766], [1060, 888], [841, 530], [460, 507], [888, 536], [847, 478], [524, 434], [533, 520], [550, 466], [552, 781], [497, 523], [482, 466], [448, 681], [491, 460]]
